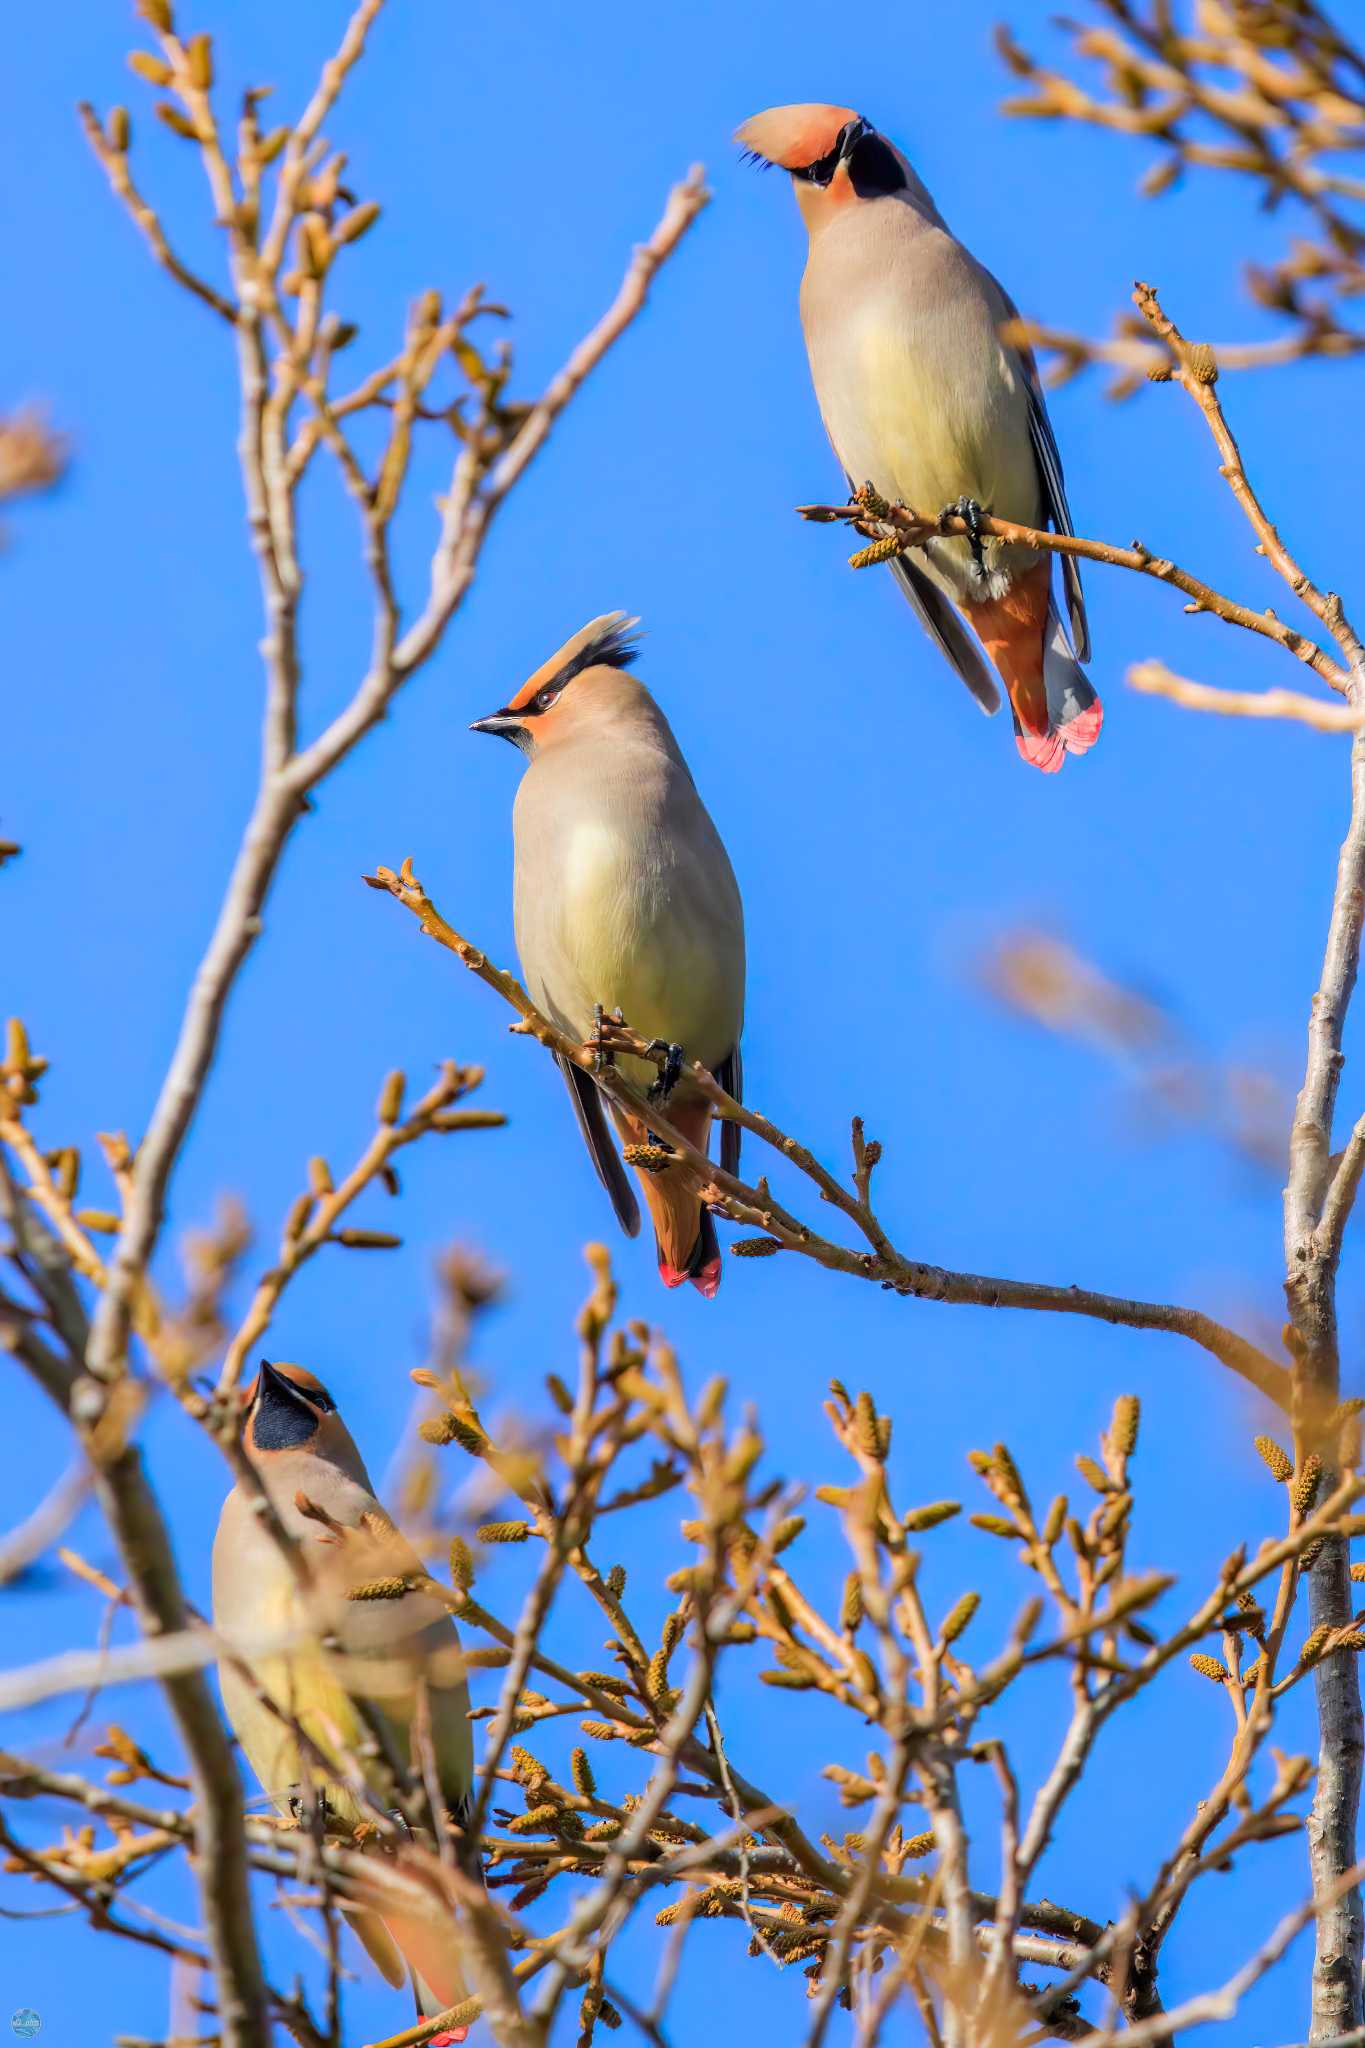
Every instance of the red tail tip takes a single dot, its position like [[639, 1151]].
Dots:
[[708, 1279], [448, 2040], [1042, 750], [1080, 733]]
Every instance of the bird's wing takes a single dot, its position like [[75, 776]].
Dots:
[[730, 1075], [1056, 510], [379, 1945], [392, 1646], [588, 1109], [947, 632]]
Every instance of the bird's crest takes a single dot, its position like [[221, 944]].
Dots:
[[794, 137]]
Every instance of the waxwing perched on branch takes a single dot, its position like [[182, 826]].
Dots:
[[923, 399], [625, 899], [388, 1641]]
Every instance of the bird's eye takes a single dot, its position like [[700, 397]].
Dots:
[[320, 1398], [548, 696]]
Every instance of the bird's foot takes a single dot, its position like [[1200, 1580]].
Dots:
[[304, 1806], [671, 1070], [602, 1054], [969, 511]]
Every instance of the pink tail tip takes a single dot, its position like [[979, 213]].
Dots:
[[1042, 750], [1080, 733], [449, 2039]]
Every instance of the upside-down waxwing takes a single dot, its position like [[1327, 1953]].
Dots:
[[625, 900], [923, 399], [384, 1652]]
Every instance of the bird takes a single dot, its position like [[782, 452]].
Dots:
[[922, 398], [381, 1654], [625, 901]]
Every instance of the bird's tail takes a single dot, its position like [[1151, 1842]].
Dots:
[[684, 1231], [407, 1918], [1056, 709]]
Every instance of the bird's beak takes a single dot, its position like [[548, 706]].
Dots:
[[506, 724]]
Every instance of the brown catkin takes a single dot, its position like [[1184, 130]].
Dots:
[[155, 70], [787, 1532], [616, 1581], [754, 1247], [199, 56], [503, 1532], [851, 1610], [585, 1783]]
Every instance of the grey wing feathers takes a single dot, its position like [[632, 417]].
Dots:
[[605, 1157], [1056, 510], [730, 1074], [945, 629]]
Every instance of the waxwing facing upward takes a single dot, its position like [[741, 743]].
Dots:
[[625, 899], [923, 399], [384, 1652]]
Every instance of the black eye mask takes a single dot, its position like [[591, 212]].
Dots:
[[874, 169], [282, 1418]]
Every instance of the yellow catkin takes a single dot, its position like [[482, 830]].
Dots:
[[647, 1158], [1093, 1474], [1277, 1460], [1209, 1667], [1304, 1486], [1123, 1430], [878, 551], [960, 1616], [930, 1516], [379, 1589], [503, 1532], [994, 1525]]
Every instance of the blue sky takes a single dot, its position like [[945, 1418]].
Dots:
[[882, 831]]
